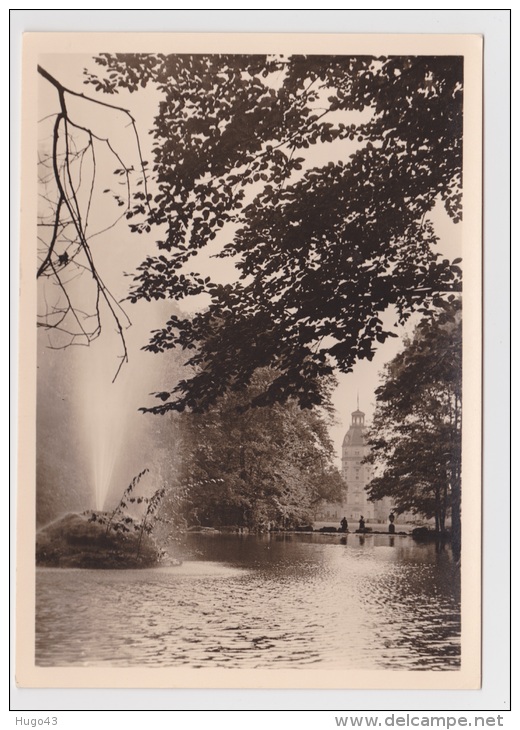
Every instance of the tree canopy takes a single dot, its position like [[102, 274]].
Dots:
[[316, 176], [256, 467], [415, 438]]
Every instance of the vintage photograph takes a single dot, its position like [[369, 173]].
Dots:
[[251, 278]]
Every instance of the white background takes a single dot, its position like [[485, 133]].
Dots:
[[494, 695]]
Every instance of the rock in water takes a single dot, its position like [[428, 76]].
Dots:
[[82, 541]]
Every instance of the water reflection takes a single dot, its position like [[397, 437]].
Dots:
[[374, 602]]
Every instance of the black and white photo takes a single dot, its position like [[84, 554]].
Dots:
[[251, 288]]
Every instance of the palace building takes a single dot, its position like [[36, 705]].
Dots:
[[356, 475]]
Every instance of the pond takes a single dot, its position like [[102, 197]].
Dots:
[[271, 601]]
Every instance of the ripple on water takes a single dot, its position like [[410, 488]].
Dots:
[[277, 604]]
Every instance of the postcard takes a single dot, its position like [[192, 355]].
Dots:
[[250, 389]]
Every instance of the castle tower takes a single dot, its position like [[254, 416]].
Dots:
[[357, 474]]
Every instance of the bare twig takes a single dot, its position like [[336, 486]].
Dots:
[[63, 250]]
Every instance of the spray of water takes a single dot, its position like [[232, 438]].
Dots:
[[107, 435], [105, 414]]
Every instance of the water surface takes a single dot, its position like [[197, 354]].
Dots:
[[243, 601]]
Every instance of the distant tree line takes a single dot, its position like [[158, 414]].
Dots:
[[257, 468]]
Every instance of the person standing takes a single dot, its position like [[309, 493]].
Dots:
[[391, 526]]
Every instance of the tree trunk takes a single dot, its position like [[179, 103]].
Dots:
[[456, 531]]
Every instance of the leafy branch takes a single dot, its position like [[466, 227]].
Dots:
[[324, 247], [120, 521]]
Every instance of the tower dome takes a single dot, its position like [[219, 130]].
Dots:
[[355, 434]]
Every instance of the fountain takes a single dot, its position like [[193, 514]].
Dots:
[[84, 541], [114, 436], [104, 539], [105, 411], [107, 417]]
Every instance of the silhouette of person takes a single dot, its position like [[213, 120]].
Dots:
[[362, 523], [344, 524], [391, 526]]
